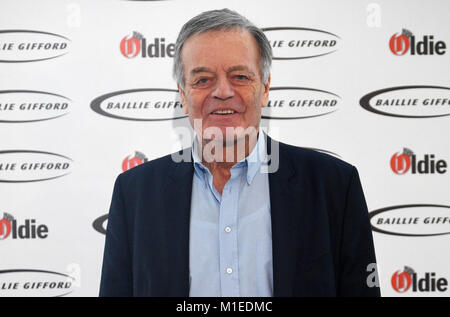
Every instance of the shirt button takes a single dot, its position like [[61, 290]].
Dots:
[[229, 270], [227, 229]]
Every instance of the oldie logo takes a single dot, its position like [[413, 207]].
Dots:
[[27, 229], [406, 42], [35, 283], [131, 161], [409, 101], [148, 104], [18, 106], [406, 161], [22, 166], [415, 220], [408, 279], [20, 46], [299, 103], [137, 45], [298, 43]]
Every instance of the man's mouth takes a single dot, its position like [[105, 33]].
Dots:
[[224, 112]]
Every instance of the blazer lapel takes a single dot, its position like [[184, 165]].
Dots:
[[178, 202], [286, 206]]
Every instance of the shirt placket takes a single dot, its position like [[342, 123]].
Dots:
[[228, 240]]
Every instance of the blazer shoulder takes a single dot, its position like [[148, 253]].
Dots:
[[315, 159]]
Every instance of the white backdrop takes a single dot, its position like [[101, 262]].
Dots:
[[61, 148]]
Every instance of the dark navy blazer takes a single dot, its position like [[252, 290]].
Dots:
[[321, 235]]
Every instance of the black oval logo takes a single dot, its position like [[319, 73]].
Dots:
[[298, 43], [25, 166], [100, 224], [23, 46], [418, 220], [409, 102], [21, 106], [299, 103], [148, 104], [35, 283]]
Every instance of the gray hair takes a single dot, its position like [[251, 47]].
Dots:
[[216, 20]]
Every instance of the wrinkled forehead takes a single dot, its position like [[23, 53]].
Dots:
[[220, 49]]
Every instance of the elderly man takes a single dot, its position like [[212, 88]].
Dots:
[[225, 223]]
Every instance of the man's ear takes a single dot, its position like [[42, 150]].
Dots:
[[265, 97], [183, 99]]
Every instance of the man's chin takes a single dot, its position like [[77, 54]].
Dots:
[[229, 135]]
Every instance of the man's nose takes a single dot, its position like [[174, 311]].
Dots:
[[223, 90]]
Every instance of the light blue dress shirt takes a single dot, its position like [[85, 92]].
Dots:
[[230, 246]]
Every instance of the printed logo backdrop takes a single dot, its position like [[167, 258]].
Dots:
[[86, 93]]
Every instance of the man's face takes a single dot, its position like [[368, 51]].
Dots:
[[222, 75]]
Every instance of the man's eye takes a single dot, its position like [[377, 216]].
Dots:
[[202, 81], [241, 79]]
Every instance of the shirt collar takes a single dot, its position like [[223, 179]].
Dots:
[[253, 161]]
